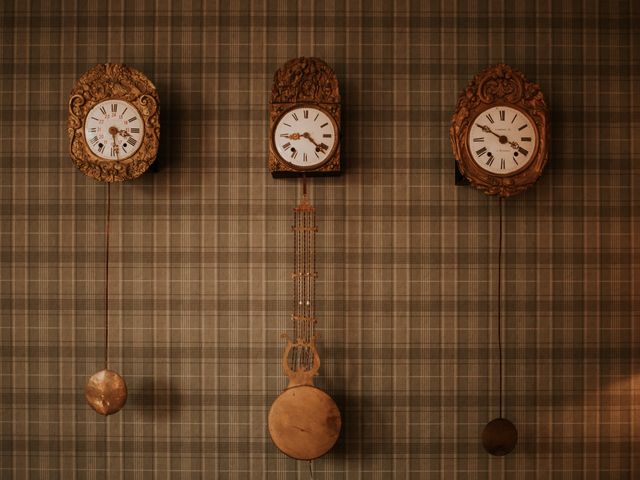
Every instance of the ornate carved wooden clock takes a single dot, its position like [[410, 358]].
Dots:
[[114, 131], [304, 119], [114, 123], [500, 131]]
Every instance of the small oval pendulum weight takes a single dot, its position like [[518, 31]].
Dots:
[[106, 392]]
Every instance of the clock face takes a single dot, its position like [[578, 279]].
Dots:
[[305, 137], [114, 129], [502, 140]]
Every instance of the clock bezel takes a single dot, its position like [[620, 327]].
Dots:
[[329, 156], [84, 126], [105, 82], [531, 121], [495, 86]]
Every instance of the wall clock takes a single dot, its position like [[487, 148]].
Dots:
[[500, 131], [304, 119], [304, 422], [114, 131], [114, 124], [500, 137]]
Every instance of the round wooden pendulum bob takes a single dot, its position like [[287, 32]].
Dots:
[[304, 422], [499, 437], [106, 392]]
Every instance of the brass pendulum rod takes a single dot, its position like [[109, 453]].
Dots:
[[301, 361], [106, 279], [499, 307]]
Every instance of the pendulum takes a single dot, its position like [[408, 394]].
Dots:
[[106, 391], [499, 436], [304, 422]]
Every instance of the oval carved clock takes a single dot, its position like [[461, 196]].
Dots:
[[114, 123], [500, 131], [114, 132]]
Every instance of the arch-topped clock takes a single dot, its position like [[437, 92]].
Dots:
[[114, 123], [304, 119], [500, 131]]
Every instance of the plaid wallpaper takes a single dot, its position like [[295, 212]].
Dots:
[[201, 245]]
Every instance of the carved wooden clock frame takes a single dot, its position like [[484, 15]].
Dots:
[[299, 82], [117, 82], [500, 85]]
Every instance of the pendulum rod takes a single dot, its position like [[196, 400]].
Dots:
[[106, 278], [304, 274], [500, 304]]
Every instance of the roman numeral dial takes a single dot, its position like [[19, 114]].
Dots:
[[114, 129], [305, 137], [502, 140]]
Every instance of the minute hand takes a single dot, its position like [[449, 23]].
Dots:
[[308, 137], [503, 138]]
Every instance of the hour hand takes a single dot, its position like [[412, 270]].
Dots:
[[124, 133], [292, 136]]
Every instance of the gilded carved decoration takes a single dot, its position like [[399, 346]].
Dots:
[[302, 80]]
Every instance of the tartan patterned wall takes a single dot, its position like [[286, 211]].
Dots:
[[201, 246]]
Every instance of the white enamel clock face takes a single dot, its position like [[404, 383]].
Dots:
[[305, 137], [502, 140], [114, 129]]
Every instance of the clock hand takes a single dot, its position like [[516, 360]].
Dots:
[[308, 137], [124, 133], [485, 128], [114, 131], [503, 138], [116, 148], [293, 136]]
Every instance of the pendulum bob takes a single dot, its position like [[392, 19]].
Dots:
[[106, 392], [499, 437], [304, 422]]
